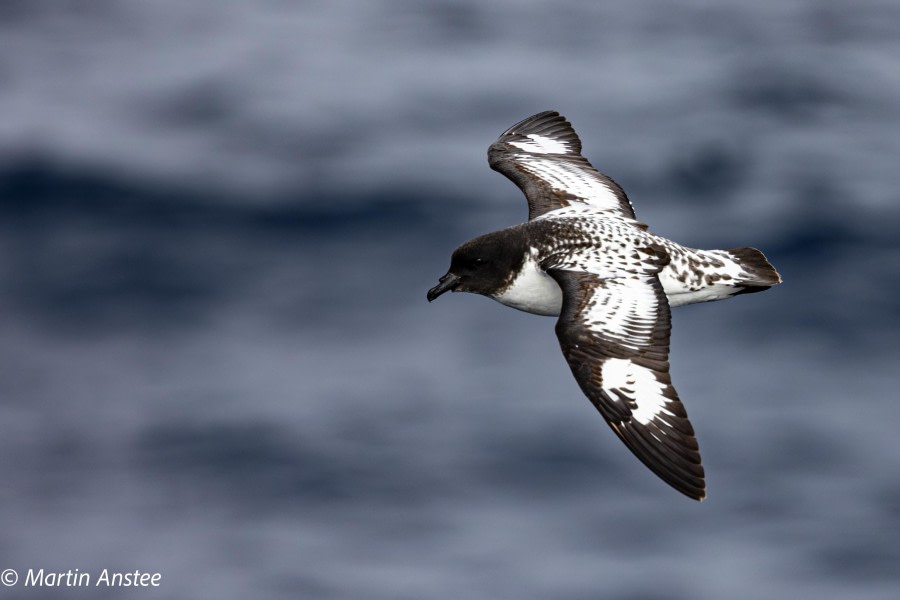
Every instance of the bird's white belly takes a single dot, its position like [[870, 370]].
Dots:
[[533, 291]]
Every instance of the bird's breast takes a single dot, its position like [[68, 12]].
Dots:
[[533, 291]]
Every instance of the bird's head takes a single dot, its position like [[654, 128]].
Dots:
[[484, 265]]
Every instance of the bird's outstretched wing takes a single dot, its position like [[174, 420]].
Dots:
[[614, 334], [542, 155]]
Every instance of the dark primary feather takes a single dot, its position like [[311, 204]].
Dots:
[[572, 174], [666, 443]]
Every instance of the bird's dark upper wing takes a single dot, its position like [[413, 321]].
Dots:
[[614, 334], [542, 155]]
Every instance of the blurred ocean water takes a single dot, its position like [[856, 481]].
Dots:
[[218, 221]]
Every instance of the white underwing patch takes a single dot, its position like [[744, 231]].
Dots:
[[637, 383]]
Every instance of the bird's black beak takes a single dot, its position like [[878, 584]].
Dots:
[[445, 284]]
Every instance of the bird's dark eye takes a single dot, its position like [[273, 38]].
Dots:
[[477, 262]]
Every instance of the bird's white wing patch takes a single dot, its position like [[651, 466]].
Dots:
[[540, 144], [622, 377], [625, 311], [571, 179]]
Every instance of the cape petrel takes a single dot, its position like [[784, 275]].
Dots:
[[582, 256]]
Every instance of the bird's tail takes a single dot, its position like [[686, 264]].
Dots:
[[758, 274], [705, 275]]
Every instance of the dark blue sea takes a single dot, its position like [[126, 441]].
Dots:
[[218, 222]]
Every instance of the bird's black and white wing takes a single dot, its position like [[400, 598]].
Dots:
[[614, 333], [542, 155]]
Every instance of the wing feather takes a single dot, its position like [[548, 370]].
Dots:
[[542, 156], [614, 334]]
